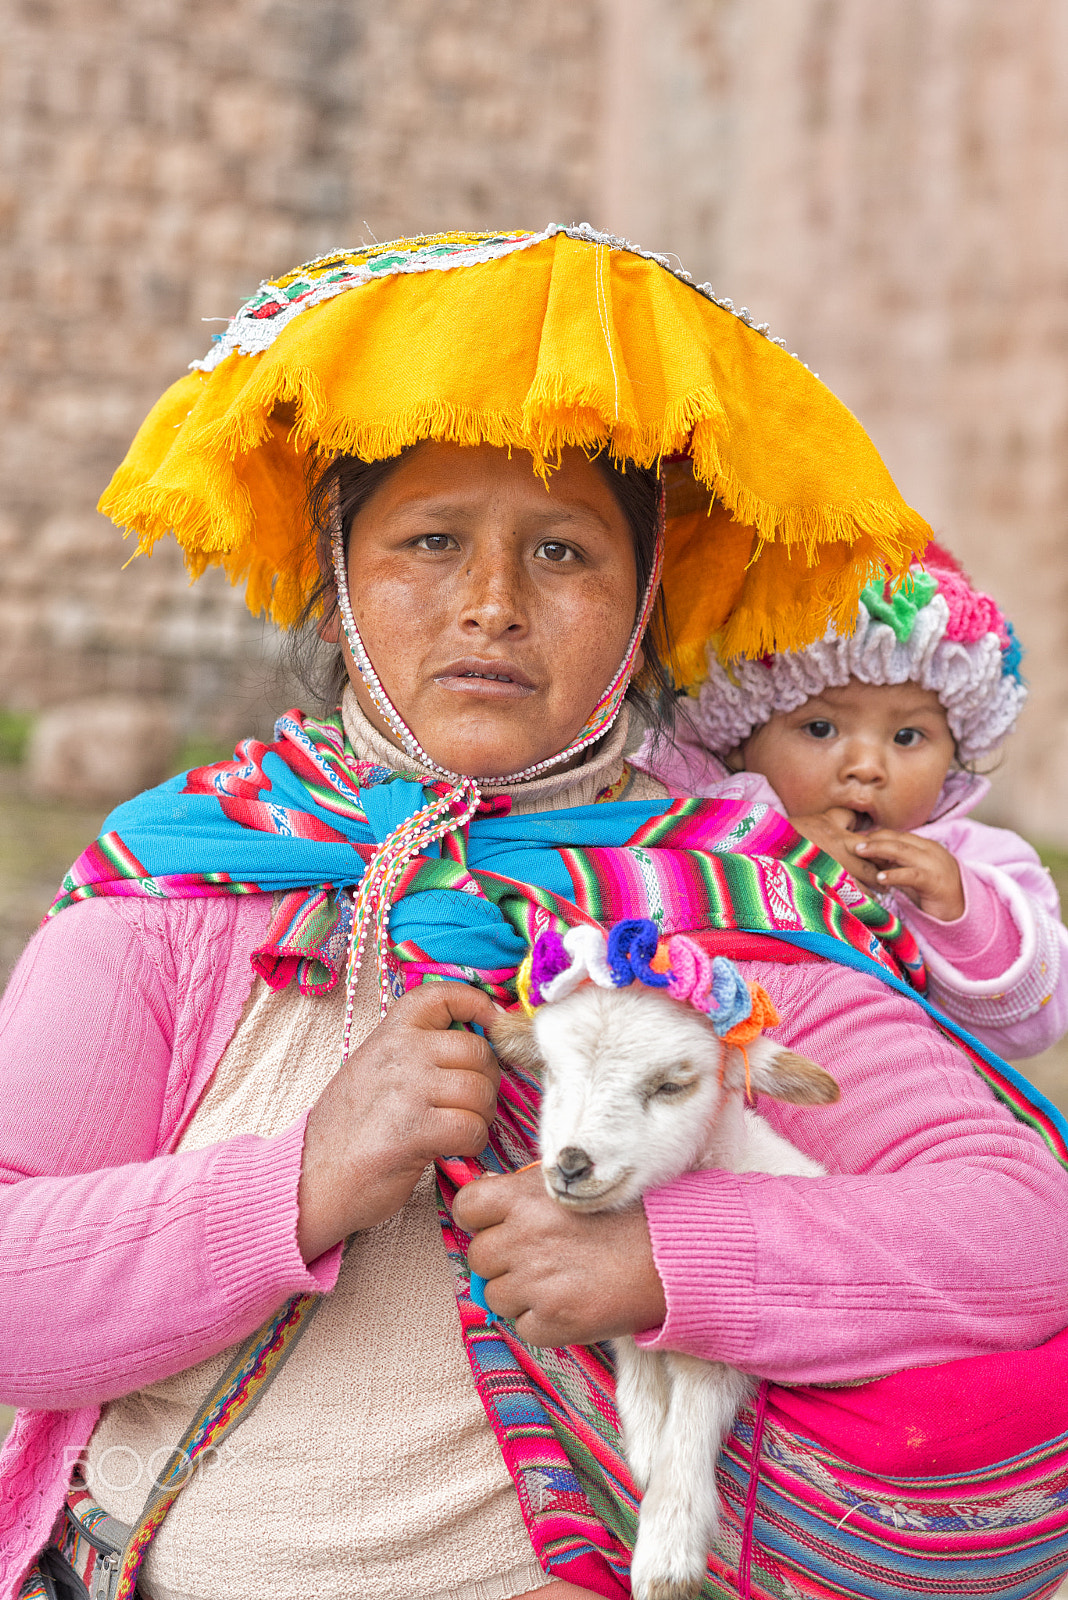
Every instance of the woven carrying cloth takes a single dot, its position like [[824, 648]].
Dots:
[[302, 811], [779, 509]]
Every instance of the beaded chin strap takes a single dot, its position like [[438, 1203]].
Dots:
[[374, 896]]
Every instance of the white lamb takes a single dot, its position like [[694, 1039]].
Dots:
[[638, 1089]]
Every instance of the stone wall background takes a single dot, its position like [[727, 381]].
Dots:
[[884, 183], [157, 158]]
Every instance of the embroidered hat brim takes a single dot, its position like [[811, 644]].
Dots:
[[779, 507]]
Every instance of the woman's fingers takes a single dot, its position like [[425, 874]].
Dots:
[[439, 1005], [459, 1050], [461, 1074], [416, 1088], [462, 1069], [457, 1089], [452, 1132], [487, 1201], [564, 1277], [459, 1108], [444, 1086]]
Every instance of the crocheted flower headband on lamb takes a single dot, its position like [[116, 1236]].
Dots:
[[634, 951], [937, 631]]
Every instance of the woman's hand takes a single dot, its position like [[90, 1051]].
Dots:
[[414, 1089], [565, 1277], [923, 869]]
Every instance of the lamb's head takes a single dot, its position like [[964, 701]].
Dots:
[[634, 1080], [630, 1085]]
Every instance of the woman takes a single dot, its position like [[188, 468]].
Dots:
[[186, 1156]]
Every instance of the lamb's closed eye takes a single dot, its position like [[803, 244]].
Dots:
[[674, 1087]]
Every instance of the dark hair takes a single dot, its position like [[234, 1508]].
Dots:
[[320, 668]]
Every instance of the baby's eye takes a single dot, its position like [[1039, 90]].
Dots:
[[908, 738], [819, 728], [553, 550]]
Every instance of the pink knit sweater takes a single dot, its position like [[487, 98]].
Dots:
[[940, 1232]]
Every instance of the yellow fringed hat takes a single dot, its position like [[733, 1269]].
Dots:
[[779, 509]]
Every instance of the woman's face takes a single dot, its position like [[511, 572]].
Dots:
[[494, 610]]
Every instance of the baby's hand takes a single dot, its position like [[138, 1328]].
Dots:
[[920, 868], [887, 859], [830, 829]]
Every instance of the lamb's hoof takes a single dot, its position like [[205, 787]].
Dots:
[[670, 1560], [671, 1582], [668, 1589]]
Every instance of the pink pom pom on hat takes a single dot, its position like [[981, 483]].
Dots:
[[937, 631]]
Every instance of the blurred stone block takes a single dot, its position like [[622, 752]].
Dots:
[[107, 748]]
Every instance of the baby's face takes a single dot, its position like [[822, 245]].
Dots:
[[881, 751]]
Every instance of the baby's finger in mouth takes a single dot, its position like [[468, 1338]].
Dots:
[[881, 842]]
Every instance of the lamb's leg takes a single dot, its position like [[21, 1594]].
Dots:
[[679, 1519], [642, 1393]]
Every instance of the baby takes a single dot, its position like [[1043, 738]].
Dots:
[[865, 743]]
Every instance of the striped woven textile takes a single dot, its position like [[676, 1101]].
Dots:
[[302, 816], [825, 1529]]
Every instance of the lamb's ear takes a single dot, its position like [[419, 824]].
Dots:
[[512, 1036], [782, 1074]]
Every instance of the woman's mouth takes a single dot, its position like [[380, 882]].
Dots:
[[494, 680]]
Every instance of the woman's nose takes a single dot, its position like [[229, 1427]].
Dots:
[[490, 595]]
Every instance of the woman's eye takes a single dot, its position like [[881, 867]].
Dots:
[[552, 550], [435, 541], [819, 728], [908, 738]]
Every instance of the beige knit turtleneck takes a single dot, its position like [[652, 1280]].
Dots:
[[370, 1467], [579, 786]]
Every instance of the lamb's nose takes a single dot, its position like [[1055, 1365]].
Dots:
[[573, 1164]]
